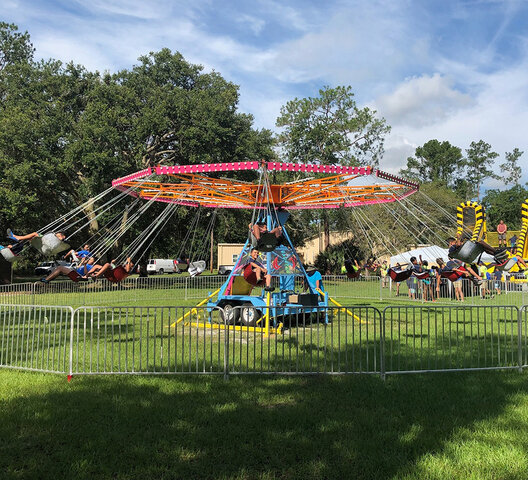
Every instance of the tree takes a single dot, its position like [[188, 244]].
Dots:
[[14, 46], [480, 159], [505, 205], [65, 133], [331, 129], [435, 162], [511, 167]]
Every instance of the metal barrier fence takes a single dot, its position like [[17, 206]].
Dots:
[[35, 337], [188, 340], [173, 289], [442, 338]]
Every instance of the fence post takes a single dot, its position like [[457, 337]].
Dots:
[[519, 337], [381, 287], [33, 299], [382, 344], [72, 318], [226, 344]]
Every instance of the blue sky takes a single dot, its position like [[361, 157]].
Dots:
[[447, 69]]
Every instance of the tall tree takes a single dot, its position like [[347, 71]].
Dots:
[[65, 133], [510, 168], [480, 159], [14, 46], [435, 161], [505, 205], [331, 128]]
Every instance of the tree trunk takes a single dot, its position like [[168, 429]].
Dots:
[[326, 231]]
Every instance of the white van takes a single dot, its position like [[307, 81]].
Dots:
[[160, 266]]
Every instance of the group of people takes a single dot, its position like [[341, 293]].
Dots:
[[83, 266]]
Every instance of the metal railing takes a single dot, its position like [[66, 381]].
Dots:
[[198, 340], [451, 338], [35, 337], [173, 289]]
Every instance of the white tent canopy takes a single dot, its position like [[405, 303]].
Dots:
[[428, 253]]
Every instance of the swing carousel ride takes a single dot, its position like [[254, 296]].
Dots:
[[313, 186]]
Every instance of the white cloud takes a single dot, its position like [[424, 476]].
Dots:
[[254, 24], [497, 114], [421, 101]]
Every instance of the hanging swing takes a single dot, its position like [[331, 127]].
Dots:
[[399, 275], [467, 252], [116, 274], [351, 269], [420, 275], [8, 254], [49, 244], [267, 242]]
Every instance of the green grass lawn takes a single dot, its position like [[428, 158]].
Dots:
[[436, 426]]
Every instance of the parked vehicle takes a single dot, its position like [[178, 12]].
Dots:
[[160, 266], [45, 268], [225, 269]]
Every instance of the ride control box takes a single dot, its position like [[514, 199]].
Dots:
[[304, 299]]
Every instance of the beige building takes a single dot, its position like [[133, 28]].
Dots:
[[315, 245], [228, 252]]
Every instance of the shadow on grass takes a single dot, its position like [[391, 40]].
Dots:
[[320, 427]]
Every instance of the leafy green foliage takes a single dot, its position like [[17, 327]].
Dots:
[[511, 167], [65, 133], [331, 128], [435, 162], [15, 47], [505, 205], [479, 162], [331, 261]]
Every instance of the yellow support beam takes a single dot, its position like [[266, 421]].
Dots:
[[194, 309], [341, 306], [238, 328], [267, 315]]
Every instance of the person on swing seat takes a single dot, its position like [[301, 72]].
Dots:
[[115, 273], [259, 274], [75, 274], [456, 244], [18, 242], [260, 228]]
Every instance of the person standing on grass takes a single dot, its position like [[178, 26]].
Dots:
[[501, 230], [384, 274], [497, 277], [411, 284], [513, 243]]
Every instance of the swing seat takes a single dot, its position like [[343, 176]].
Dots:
[[267, 242], [116, 275], [352, 272], [196, 268], [181, 267], [421, 275], [508, 265], [251, 277], [240, 286], [74, 276], [8, 255], [468, 252], [399, 275], [49, 244], [501, 256], [451, 275]]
